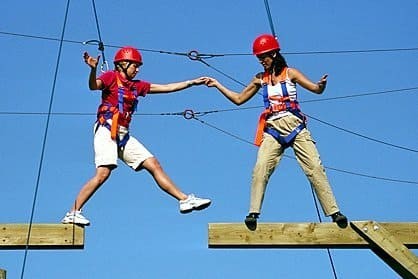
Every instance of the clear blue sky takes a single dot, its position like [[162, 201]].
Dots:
[[137, 231]]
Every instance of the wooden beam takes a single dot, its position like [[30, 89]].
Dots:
[[42, 236], [2, 274], [388, 247], [301, 235]]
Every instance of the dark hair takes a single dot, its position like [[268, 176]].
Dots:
[[279, 63]]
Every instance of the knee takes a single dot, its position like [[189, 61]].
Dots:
[[152, 165], [102, 174], [315, 169]]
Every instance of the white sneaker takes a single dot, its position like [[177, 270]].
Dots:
[[193, 203], [75, 217]]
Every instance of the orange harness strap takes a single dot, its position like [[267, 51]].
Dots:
[[260, 127]]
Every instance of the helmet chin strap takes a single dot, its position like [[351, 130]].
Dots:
[[125, 69]]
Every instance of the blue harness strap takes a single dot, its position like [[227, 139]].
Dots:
[[285, 141], [108, 113]]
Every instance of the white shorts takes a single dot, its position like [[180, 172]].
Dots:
[[107, 152]]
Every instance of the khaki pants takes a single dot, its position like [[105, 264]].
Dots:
[[270, 154]]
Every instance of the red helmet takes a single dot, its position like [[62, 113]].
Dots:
[[265, 43], [128, 54]]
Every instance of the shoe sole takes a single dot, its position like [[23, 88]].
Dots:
[[197, 208], [251, 224], [73, 223]]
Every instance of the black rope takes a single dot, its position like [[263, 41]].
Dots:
[[219, 55], [363, 136], [44, 141], [104, 66], [290, 157], [331, 260], [266, 4]]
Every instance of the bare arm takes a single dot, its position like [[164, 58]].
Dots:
[[297, 77], [176, 86], [236, 98], [94, 83]]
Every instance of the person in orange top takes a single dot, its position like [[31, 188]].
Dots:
[[112, 140], [281, 125]]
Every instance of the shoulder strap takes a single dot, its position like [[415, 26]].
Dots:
[[121, 92]]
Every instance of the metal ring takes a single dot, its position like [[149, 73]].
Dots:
[[188, 114], [193, 55]]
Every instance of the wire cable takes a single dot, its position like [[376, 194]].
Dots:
[[348, 51], [363, 136], [44, 141], [227, 110], [273, 32], [104, 65], [331, 260], [258, 107], [291, 157]]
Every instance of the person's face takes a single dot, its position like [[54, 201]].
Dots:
[[266, 59], [132, 70]]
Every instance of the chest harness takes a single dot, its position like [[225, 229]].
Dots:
[[108, 111], [284, 104]]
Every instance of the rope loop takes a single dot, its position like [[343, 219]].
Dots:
[[193, 55], [188, 114]]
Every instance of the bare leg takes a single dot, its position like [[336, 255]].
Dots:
[[161, 178], [91, 186]]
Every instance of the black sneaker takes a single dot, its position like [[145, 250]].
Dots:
[[251, 221], [340, 219]]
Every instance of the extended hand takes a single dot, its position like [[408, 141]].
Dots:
[[323, 80], [91, 61], [211, 82], [198, 81]]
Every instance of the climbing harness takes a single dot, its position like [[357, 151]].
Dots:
[[110, 112], [284, 104]]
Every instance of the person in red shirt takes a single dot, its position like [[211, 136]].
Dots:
[[112, 140]]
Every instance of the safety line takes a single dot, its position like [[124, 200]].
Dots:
[[219, 55], [291, 157], [273, 32], [221, 72], [330, 258], [44, 141], [104, 66], [226, 110], [202, 113], [362, 136]]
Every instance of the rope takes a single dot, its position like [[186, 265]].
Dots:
[[105, 66], [196, 56], [224, 54], [266, 4], [363, 136], [193, 116], [331, 260], [44, 141]]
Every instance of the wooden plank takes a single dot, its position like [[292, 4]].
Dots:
[[389, 248], [2, 274], [42, 236], [300, 235]]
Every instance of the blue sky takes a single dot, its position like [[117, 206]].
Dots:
[[137, 231]]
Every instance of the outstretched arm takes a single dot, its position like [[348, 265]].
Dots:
[[94, 83], [236, 98], [297, 77], [176, 86]]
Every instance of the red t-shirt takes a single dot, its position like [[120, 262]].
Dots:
[[132, 90]]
